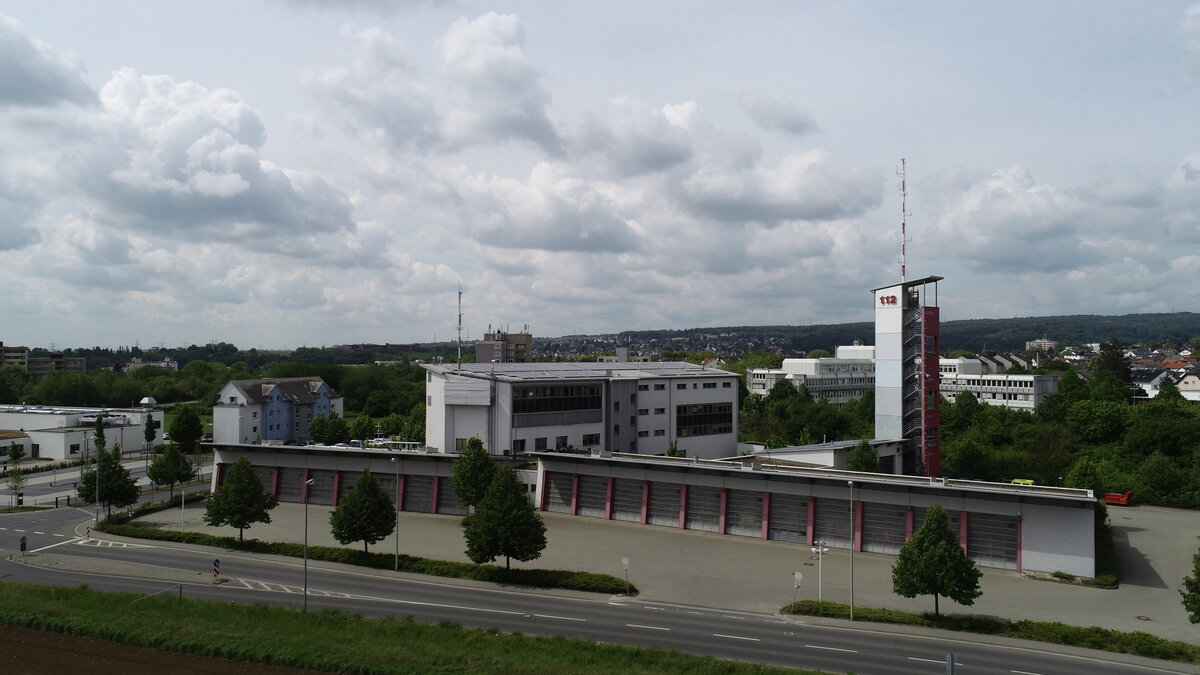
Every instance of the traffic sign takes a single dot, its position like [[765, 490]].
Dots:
[[797, 578], [216, 567]]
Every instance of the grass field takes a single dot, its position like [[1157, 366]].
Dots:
[[328, 640]]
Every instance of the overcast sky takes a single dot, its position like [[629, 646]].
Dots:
[[279, 174]]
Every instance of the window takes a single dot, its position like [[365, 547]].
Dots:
[[616, 406], [590, 440], [74, 448], [643, 387], [556, 398], [660, 432], [518, 445], [560, 442], [660, 411], [633, 398], [727, 385], [428, 400], [708, 385], [539, 443], [616, 429], [643, 434], [254, 430], [703, 419], [254, 415], [643, 411], [681, 385], [660, 387]]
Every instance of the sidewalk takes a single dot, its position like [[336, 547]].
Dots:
[[730, 572]]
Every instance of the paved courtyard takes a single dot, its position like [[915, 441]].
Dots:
[[1154, 546]]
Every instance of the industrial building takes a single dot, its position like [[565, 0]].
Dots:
[[629, 407], [58, 432], [845, 376]]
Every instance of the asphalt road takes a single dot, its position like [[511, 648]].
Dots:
[[44, 487], [122, 565]]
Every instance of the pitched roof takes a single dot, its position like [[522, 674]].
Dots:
[[300, 390]]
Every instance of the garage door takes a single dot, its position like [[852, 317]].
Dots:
[[448, 499], [266, 476], [593, 493], [789, 518], [703, 508], [992, 540], [664, 504], [321, 490], [919, 518], [627, 500], [418, 494], [832, 522], [387, 483], [347, 483], [743, 513], [559, 490], [883, 528], [290, 480]]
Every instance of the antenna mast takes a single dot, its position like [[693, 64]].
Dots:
[[460, 326], [904, 214]]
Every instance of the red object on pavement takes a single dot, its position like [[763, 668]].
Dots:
[[1118, 498]]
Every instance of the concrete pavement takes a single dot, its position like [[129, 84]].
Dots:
[[1154, 545]]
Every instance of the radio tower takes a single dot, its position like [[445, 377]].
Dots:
[[904, 214], [460, 326]]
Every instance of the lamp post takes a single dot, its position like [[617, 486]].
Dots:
[[396, 508], [94, 439], [308, 483], [820, 550], [851, 484], [625, 564]]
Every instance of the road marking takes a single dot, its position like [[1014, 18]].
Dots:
[[638, 625], [57, 535], [956, 662], [473, 609], [560, 618], [697, 613], [69, 541], [36, 532], [657, 609], [18, 530], [729, 616], [832, 649], [735, 637], [1023, 672]]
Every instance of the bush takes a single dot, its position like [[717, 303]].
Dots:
[[577, 581], [1063, 576]]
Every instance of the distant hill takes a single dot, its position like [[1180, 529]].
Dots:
[[974, 335]]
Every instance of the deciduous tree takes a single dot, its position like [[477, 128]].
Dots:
[[365, 514], [863, 458], [15, 452], [1191, 591], [240, 501], [933, 563], [171, 467], [362, 427], [117, 486], [504, 524], [474, 469], [187, 430]]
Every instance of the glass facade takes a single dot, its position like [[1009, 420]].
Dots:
[[556, 398], [703, 419]]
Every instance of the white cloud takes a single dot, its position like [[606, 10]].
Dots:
[[32, 74], [768, 113], [632, 138]]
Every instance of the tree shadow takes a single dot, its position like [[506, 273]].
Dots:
[[1133, 567]]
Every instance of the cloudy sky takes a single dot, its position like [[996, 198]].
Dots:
[[278, 174]]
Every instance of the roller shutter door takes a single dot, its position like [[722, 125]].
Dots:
[[559, 489], [593, 493], [919, 518], [321, 491], [387, 483], [448, 499], [266, 476], [992, 540], [290, 480], [703, 508], [789, 518], [418, 494], [664, 504], [743, 513], [883, 528], [832, 522], [627, 500], [349, 479]]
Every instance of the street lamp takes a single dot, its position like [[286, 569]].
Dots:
[[94, 439], [820, 550], [308, 483], [625, 564], [851, 484], [397, 509]]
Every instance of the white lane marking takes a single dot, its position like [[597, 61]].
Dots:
[[560, 618], [3, 528], [735, 637], [956, 662], [473, 609], [658, 609], [697, 613], [246, 584], [69, 541], [832, 649], [729, 616], [18, 530], [1023, 672], [36, 532], [638, 625], [57, 535]]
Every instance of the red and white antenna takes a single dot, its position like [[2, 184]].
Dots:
[[904, 214]]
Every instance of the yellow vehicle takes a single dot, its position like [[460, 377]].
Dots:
[[1022, 481]]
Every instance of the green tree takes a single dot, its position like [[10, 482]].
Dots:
[[15, 452], [150, 430], [392, 425], [17, 480], [98, 439], [933, 563], [240, 501], [187, 430], [818, 354], [1191, 591], [318, 429], [362, 427], [365, 514], [1111, 359], [171, 467], [117, 487], [337, 431], [504, 524], [474, 470], [673, 448], [863, 458]]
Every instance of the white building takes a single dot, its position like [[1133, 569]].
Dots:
[[66, 433], [847, 375], [1019, 392], [271, 409], [625, 407]]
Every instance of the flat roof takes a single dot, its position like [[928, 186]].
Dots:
[[909, 284], [574, 370]]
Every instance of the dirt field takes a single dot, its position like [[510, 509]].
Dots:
[[31, 651]]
